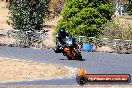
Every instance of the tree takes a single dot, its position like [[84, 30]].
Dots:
[[128, 7], [85, 17], [28, 17], [27, 14]]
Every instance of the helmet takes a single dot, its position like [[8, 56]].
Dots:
[[62, 30]]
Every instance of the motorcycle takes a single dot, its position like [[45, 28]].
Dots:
[[71, 49]]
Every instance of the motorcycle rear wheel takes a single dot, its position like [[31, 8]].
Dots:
[[69, 58], [78, 55]]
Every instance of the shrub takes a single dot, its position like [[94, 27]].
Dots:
[[85, 17], [128, 7], [27, 15]]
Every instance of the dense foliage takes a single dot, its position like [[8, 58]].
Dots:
[[27, 14], [85, 17], [128, 7]]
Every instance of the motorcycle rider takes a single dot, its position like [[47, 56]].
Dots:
[[59, 39]]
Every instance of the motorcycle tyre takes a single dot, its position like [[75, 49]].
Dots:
[[78, 56]]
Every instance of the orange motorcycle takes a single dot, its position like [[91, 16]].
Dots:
[[71, 49]]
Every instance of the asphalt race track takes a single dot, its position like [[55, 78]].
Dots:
[[94, 63]]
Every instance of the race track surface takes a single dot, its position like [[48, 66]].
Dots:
[[94, 63]]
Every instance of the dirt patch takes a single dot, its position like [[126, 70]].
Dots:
[[4, 17], [16, 70], [7, 41], [48, 41], [104, 49]]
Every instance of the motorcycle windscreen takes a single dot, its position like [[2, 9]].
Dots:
[[68, 41]]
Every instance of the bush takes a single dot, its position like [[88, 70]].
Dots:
[[27, 14], [118, 28], [128, 7], [85, 17]]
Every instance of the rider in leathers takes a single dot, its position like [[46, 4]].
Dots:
[[59, 38]]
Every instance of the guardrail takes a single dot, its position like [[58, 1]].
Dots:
[[27, 38], [35, 39], [117, 45]]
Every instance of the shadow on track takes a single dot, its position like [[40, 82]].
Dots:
[[73, 60]]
